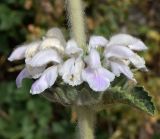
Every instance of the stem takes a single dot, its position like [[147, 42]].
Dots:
[[77, 22], [86, 119], [85, 115]]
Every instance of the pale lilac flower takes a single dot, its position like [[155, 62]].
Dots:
[[50, 52], [52, 56], [37, 57], [94, 74], [26, 51], [71, 69], [119, 54]]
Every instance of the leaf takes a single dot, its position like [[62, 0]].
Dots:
[[136, 97], [121, 90], [68, 95]]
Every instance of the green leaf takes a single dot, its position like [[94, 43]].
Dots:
[[121, 91], [137, 97]]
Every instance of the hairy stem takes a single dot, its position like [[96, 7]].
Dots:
[[77, 22], [85, 115], [86, 119]]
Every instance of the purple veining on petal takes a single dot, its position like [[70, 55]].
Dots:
[[98, 79], [93, 59]]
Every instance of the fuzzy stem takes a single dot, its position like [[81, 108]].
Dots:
[[85, 115], [77, 22], [86, 119]]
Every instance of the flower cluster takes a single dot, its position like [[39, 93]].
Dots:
[[101, 62]]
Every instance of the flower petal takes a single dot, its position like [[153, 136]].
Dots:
[[120, 67], [138, 45], [98, 79], [18, 53], [47, 79], [56, 33], [44, 57], [121, 39], [93, 59], [96, 41], [138, 62], [118, 51], [35, 72], [32, 48], [72, 48], [67, 66], [71, 71], [23, 74], [127, 40], [52, 43]]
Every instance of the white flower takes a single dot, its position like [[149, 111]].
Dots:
[[26, 51], [37, 57], [52, 56], [71, 71], [95, 75], [119, 54], [72, 68]]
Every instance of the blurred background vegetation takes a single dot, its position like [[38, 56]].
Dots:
[[23, 116]]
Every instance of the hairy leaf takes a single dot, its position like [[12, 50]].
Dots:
[[136, 97]]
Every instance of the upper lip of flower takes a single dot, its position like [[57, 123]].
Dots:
[[127, 40], [72, 49], [52, 43]]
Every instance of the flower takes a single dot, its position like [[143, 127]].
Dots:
[[50, 52], [52, 56], [37, 57], [94, 74], [119, 53], [72, 68], [26, 51], [71, 71]]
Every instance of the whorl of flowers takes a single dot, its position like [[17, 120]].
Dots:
[[101, 62]]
